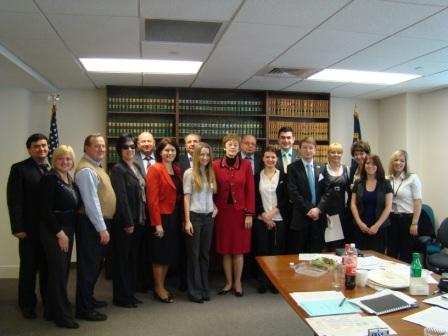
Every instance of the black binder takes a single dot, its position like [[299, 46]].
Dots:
[[386, 304]]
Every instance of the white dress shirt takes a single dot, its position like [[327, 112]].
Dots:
[[405, 192], [268, 193]]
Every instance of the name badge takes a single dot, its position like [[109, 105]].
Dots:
[[378, 332]]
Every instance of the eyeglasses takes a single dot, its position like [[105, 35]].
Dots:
[[128, 147]]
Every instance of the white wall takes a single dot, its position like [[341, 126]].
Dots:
[[80, 112], [14, 121], [341, 123]]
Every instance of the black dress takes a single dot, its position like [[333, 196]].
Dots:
[[59, 203], [164, 250]]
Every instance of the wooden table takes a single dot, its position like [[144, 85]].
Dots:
[[287, 281]]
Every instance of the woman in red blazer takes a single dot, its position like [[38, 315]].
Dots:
[[164, 198], [235, 201]]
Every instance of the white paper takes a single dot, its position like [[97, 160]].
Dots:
[[438, 301], [319, 295], [312, 256], [346, 325], [370, 262], [433, 317], [334, 229]]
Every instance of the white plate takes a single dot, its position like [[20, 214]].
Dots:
[[388, 278]]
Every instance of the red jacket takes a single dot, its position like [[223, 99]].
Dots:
[[161, 192], [239, 181]]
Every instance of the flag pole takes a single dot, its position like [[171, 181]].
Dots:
[[53, 136]]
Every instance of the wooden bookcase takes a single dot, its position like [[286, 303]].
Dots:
[[175, 112]]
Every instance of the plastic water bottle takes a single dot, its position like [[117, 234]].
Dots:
[[416, 266], [345, 254], [353, 249], [350, 270]]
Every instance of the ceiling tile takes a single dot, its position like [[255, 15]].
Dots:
[[267, 83], [435, 27], [176, 51], [206, 10], [19, 6], [99, 36], [313, 86], [388, 53], [24, 26], [378, 17], [14, 77], [420, 67], [168, 80], [103, 79], [323, 48], [354, 90], [89, 7], [304, 13]]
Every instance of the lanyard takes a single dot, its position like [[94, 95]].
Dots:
[[395, 193]]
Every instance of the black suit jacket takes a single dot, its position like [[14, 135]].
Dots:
[[300, 193], [282, 195], [23, 196], [258, 163], [139, 161], [294, 157], [128, 193], [183, 163]]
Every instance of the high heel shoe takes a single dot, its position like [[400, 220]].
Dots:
[[239, 294], [223, 291], [168, 299]]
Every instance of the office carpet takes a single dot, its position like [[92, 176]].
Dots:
[[254, 314]]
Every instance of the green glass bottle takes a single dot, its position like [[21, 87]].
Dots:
[[416, 266]]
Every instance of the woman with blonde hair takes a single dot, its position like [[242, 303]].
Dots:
[[60, 200], [335, 186], [235, 201], [199, 187], [406, 207]]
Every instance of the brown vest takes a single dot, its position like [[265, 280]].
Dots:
[[105, 191]]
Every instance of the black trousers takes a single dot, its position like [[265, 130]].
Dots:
[[90, 258], [310, 239], [142, 240], [57, 305], [268, 243], [399, 241], [32, 261], [124, 264]]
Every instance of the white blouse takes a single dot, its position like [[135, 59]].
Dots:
[[405, 192], [268, 193]]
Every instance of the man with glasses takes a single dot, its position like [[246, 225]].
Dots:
[[248, 152]]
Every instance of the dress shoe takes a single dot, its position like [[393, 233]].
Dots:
[[92, 316], [224, 291], [262, 289], [68, 324], [168, 299], [196, 300], [125, 304], [29, 314], [273, 289], [99, 303], [206, 298], [239, 294], [136, 301]]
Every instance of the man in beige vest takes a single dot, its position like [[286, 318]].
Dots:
[[92, 233]]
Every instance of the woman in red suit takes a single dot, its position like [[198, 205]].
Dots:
[[235, 201], [164, 198]]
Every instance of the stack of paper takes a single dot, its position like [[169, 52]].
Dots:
[[324, 303], [433, 317]]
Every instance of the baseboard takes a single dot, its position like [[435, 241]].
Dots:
[[9, 272]]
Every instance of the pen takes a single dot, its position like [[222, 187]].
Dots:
[[342, 302]]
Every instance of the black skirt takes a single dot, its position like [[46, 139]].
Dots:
[[164, 250]]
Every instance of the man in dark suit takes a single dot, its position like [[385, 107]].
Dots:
[[144, 157], [307, 225], [248, 152], [185, 162], [23, 205], [286, 154]]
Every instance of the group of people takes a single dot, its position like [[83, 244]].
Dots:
[[159, 207]]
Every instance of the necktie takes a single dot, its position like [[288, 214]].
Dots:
[[44, 167], [286, 161], [148, 162], [310, 174]]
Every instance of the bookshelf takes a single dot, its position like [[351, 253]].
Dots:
[[176, 112]]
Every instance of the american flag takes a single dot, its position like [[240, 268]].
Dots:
[[54, 137]]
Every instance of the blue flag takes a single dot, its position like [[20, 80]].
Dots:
[[54, 137], [356, 135]]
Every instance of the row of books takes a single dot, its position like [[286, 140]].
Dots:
[[216, 129], [140, 104], [207, 105], [292, 107], [158, 127], [318, 130]]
